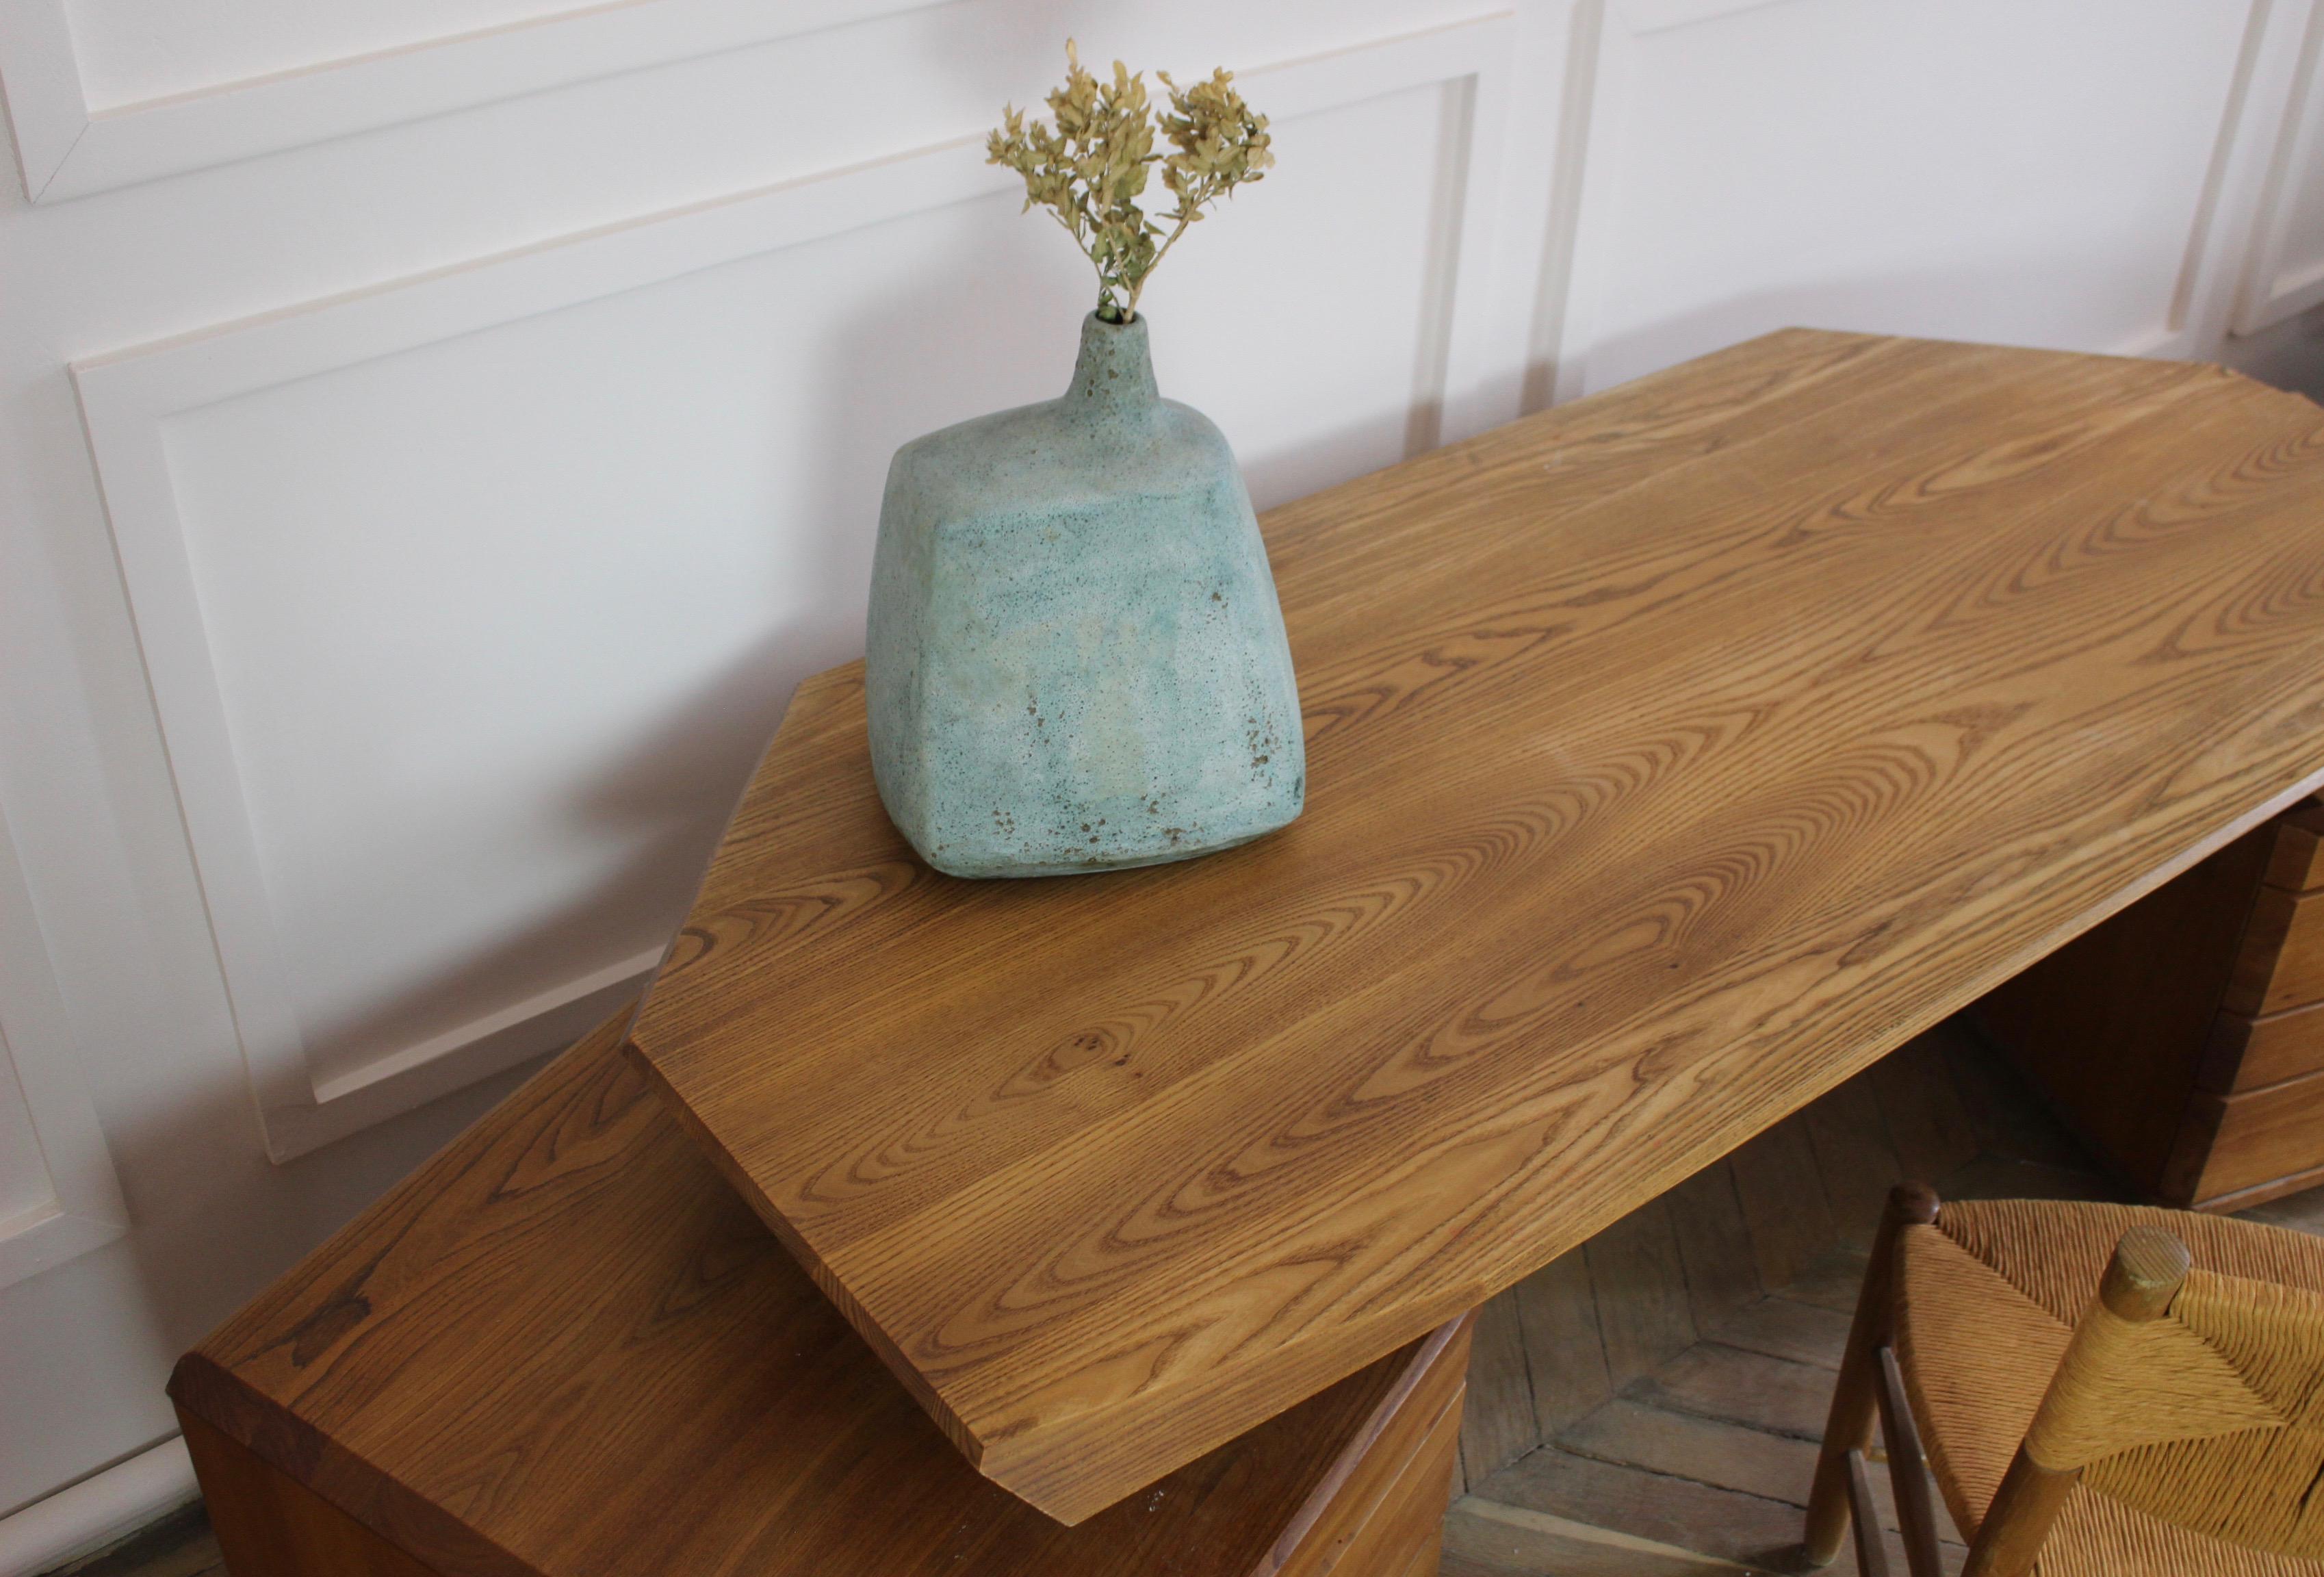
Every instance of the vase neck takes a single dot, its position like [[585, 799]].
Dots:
[[1114, 376]]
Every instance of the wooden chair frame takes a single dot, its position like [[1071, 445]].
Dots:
[[2147, 1269]]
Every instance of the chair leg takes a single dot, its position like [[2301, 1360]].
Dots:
[[1908, 1472], [2019, 1520], [1853, 1398], [1863, 1515]]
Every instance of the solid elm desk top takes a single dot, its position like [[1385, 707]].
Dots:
[[1673, 755]]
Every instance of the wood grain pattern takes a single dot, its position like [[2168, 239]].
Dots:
[[564, 1348], [1390, 1503], [1673, 755]]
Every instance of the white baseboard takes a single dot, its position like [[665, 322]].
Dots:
[[100, 1509]]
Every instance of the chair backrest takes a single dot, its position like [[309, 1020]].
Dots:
[[2209, 1413]]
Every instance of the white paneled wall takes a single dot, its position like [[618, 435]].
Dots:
[[436, 436], [59, 1195], [550, 573], [1985, 170], [2283, 272]]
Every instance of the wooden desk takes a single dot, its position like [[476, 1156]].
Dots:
[[1671, 755], [563, 1348]]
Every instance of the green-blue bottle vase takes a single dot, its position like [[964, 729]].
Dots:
[[1076, 660]]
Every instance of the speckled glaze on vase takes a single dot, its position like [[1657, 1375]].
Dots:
[[1075, 659]]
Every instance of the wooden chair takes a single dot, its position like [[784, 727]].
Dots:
[[2110, 1390]]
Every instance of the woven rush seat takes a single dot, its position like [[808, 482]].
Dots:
[[2213, 1449]]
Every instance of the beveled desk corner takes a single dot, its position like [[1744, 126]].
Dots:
[[1673, 755]]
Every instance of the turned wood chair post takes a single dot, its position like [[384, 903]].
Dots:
[[1908, 1473], [2148, 1267], [1871, 1553], [1855, 1396]]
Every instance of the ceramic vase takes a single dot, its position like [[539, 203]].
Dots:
[[1076, 660]]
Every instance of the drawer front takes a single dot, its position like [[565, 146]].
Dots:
[[2297, 861], [2281, 964], [1386, 1506], [2248, 1053], [2266, 1136]]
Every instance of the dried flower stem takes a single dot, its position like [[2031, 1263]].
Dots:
[[1089, 165]]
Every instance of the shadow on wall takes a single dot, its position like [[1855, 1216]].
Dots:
[[2288, 354], [646, 815], [648, 803], [1930, 305]]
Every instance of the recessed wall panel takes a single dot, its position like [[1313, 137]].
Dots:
[[1300, 315], [130, 50], [1986, 170]]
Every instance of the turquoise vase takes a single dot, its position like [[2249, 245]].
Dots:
[[1076, 660]]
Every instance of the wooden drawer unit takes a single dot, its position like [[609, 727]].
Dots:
[[2184, 1037]]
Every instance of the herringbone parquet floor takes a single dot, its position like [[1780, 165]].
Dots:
[[1649, 1406]]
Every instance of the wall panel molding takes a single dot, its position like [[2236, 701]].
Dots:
[[2276, 284], [1601, 91], [68, 147], [1601, 83], [2237, 191], [83, 1210], [128, 396], [99, 1509]]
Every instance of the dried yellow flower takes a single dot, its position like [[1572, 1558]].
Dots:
[[1088, 165]]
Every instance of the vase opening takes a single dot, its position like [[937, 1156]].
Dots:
[[1113, 373]]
